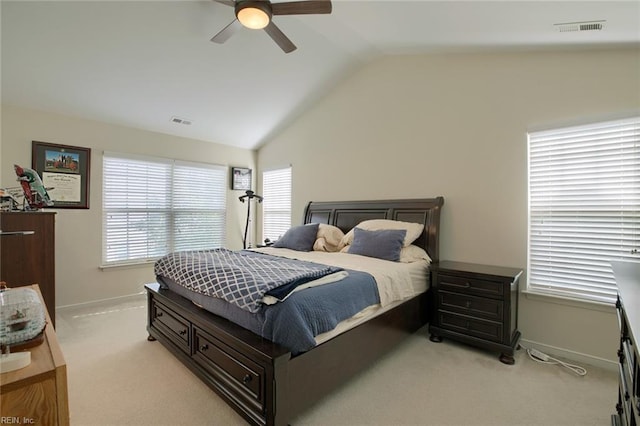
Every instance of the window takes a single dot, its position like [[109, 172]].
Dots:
[[154, 206], [276, 207], [584, 207]]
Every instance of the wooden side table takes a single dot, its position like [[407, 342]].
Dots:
[[478, 305], [37, 394]]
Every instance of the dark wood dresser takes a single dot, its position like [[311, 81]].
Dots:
[[478, 305], [27, 259], [627, 275]]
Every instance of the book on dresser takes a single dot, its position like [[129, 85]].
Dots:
[[627, 276]]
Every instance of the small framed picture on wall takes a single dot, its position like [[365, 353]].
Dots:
[[240, 178]]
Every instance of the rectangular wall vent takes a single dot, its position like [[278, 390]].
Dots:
[[580, 26], [179, 120]]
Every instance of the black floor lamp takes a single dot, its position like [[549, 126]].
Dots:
[[248, 196]]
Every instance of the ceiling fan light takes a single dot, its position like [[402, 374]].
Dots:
[[253, 16]]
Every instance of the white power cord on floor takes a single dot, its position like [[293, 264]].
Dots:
[[543, 358]]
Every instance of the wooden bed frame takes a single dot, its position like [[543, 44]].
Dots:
[[262, 380]]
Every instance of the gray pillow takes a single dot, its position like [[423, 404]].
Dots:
[[384, 244], [300, 238]]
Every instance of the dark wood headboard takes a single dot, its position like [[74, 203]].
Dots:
[[347, 214]]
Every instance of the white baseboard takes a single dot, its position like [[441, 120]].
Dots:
[[607, 364]]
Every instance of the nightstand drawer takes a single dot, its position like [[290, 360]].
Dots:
[[491, 309], [461, 284], [487, 330]]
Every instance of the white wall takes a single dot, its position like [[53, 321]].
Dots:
[[455, 125], [79, 278]]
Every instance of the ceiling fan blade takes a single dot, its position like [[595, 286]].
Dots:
[[227, 2], [227, 32], [279, 37], [301, 7]]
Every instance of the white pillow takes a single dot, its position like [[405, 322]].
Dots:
[[413, 254], [332, 234], [414, 230], [328, 238], [322, 245]]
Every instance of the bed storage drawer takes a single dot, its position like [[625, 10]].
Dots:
[[238, 376], [171, 325]]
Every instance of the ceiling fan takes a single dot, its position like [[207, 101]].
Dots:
[[257, 14]]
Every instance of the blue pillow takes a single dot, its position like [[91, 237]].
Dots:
[[300, 238], [384, 244]]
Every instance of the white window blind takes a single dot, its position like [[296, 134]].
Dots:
[[154, 206], [276, 207], [584, 207]]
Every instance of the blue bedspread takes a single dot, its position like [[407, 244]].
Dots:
[[317, 310], [305, 314]]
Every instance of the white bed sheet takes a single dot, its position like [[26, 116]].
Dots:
[[395, 280]]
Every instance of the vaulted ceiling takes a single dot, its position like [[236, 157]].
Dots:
[[143, 63]]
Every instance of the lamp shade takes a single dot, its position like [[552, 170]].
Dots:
[[254, 15]]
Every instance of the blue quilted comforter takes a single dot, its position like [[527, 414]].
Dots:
[[239, 277], [304, 315]]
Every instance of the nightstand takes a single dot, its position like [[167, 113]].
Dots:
[[476, 304]]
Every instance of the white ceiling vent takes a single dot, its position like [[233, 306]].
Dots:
[[580, 26], [179, 120]]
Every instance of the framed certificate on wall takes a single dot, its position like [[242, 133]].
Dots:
[[65, 173]]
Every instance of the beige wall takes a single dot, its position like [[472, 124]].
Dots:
[[401, 127], [79, 278], [455, 125]]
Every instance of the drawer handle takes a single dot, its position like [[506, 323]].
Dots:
[[183, 332], [159, 314], [246, 379], [468, 304], [204, 347], [467, 285]]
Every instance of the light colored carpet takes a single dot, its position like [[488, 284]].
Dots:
[[116, 377]]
